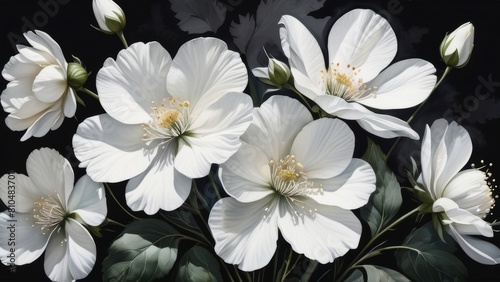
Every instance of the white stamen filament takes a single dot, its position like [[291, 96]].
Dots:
[[168, 120], [48, 212], [288, 179], [343, 81]]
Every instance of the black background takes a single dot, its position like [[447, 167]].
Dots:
[[419, 26]]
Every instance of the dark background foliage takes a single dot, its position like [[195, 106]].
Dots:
[[465, 96]]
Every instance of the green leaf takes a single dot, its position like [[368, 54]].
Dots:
[[385, 202], [144, 251], [198, 264], [428, 258], [375, 273], [184, 219]]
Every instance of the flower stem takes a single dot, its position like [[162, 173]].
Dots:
[[90, 93], [410, 119], [313, 264], [215, 186], [357, 259], [122, 39], [118, 202], [115, 222]]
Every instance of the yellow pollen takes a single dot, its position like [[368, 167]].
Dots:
[[289, 175], [343, 79], [168, 117]]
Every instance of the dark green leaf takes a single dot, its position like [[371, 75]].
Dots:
[[146, 250], [198, 264], [430, 258], [385, 202]]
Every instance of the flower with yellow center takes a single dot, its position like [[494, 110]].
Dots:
[[49, 216], [167, 120], [292, 175], [461, 199], [361, 45]]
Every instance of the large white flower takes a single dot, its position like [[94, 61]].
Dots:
[[167, 120], [46, 213], [462, 198], [361, 44], [37, 96], [295, 175]]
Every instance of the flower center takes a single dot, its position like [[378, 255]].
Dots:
[[288, 179], [343, 81], [487, 200], [49, 213], [168, 120]]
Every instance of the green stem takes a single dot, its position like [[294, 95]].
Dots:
[[215, 186], [410, 119], [115, 222], [357, 259], [291, 87], [200, 235], [287, 263], [313, 264], [118, 202], [122, 39], [90, 93]]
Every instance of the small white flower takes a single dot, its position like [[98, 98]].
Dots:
[[167, 120], [361, 44], [294, 175], [462, 198], [49, 216], [457, 46], [37, 96], [109, 16]]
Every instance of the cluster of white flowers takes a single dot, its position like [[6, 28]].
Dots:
[[167, 121]]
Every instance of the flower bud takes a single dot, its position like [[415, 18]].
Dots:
[[279, 73], [77, 75], [109, 16], [456, 47]]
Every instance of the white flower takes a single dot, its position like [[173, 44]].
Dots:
[[167, 120], [462, 198], [361, 44], [49, 213], [456, 47], [294, 175], [109, 16], [37, 96]]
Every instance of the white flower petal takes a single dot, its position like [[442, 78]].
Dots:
[[275, 125], [387, 126], [203, 70], [50, 172], [244, 233], [216, 132], [36, 56], [243, 175], [324, 147], [304, 55], [349, 190], [70, 254], [327, 235], [23, 193], [479, 250], [88, 200], [362, 39], [402, 85], [16, 69], [30, 242], [70, 103], [464, 221], [48, 120], [451, 153], [160, 186], [128, 86], [42, 41], [50, 84], [470, 191], [111, 151]]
